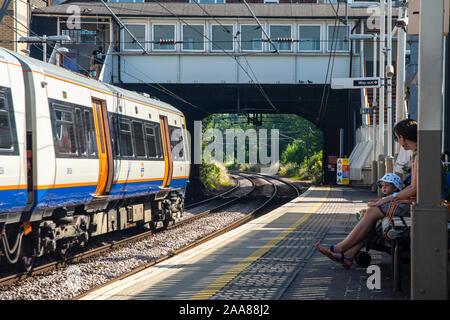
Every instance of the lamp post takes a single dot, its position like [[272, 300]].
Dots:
[[401, 24], [382, 74], [372, 37], [389, 75]]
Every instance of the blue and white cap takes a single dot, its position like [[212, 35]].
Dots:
[[392, 178]]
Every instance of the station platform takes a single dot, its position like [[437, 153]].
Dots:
[[269, 258]]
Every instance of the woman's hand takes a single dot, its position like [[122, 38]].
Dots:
[[378, 202]]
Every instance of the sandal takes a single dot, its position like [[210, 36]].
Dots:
[[342, 260]]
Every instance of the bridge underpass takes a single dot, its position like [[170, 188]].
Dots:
[[340, 111]]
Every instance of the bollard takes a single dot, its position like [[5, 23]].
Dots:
[[381, 171], [389, 163], [374, 176]]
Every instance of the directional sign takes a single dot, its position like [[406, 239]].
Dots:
[[343, 171], [355, 83]]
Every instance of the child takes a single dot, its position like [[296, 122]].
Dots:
[[389, 184]]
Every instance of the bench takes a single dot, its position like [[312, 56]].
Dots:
[[394, 239]]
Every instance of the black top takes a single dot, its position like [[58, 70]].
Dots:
[[99, 56]]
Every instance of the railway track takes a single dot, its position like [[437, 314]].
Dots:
[[225, 200]]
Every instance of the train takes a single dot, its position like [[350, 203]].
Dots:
[[80, 158]]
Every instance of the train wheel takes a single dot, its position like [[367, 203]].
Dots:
[[26, 259], [61, 253], [25, 264], [166, 223]]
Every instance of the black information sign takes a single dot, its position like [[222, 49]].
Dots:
[[365, 83]]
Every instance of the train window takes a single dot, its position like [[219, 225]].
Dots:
[[2, 102], [99, 116], [64, 135], [113, 129], [153, 141], [81, 136], [126, 144], [89, 132], [5, 126], [138, 139], [176, 143]]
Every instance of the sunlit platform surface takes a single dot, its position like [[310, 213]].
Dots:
[[269, 258]]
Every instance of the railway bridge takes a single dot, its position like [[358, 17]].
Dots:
[[226, 58]]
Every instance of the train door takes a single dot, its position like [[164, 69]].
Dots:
[[168, 172], [105, 156]]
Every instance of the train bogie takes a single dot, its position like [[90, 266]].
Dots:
[[82, 159]]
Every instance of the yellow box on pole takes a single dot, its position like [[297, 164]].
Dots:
[[343, 171]]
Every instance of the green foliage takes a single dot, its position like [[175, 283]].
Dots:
[[314, 167], [209, 175], [294, 152], [309, 169], [300, 143]]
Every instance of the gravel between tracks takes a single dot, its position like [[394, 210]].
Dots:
[[75, 279]]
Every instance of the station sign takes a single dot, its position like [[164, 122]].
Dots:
[[355, 83], [343, 171]]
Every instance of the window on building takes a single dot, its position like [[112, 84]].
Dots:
[[207, 1], [127, 1], [271, 1], [281, 36], [251, 37], [163, 37], [222, 37], [193, 37], [138, 31], [309, 37], [336, 1], [338, 42]]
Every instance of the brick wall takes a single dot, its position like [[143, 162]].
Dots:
[[7, 31]]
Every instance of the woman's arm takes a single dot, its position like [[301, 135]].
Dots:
[[411, 190]]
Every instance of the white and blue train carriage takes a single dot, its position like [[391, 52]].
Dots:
[[79, 158]]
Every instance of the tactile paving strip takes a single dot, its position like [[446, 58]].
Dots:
[[270, 276]]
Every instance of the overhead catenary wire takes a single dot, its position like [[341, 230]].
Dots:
[[332, 55], [262, 28], [254, 80]]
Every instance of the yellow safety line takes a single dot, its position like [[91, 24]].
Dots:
[[221, 282]]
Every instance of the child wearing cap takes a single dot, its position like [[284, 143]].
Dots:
[[390, 184]]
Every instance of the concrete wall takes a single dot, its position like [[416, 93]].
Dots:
[[285, 69]]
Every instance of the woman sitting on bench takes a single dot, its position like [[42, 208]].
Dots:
[[405, 133]]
